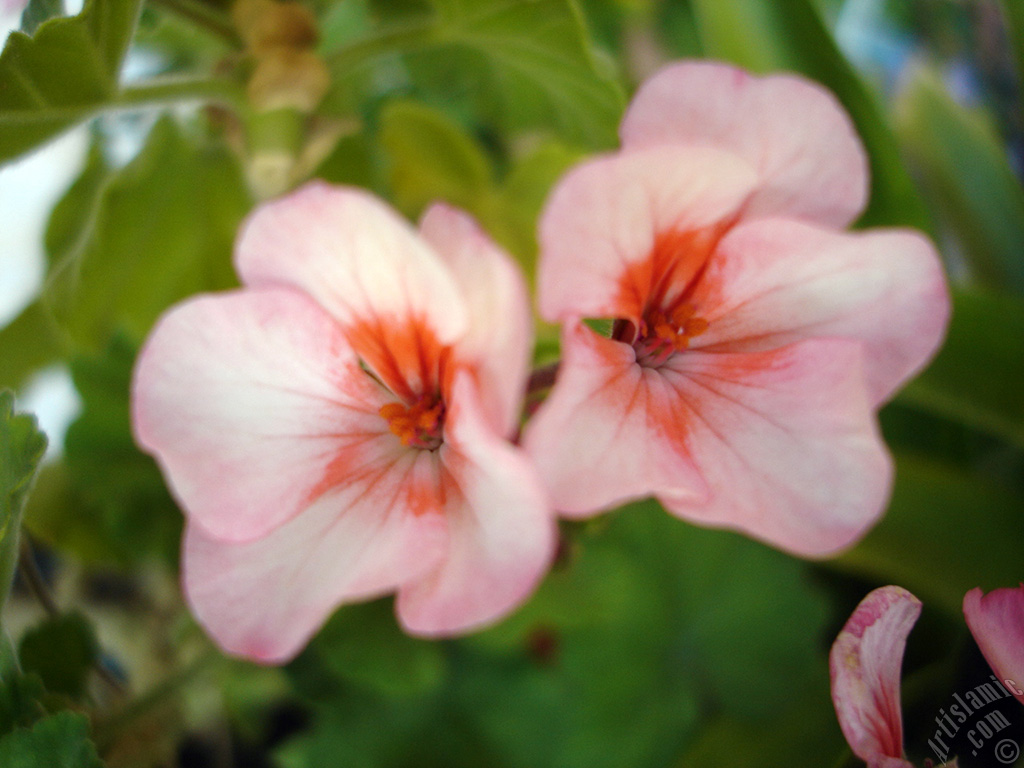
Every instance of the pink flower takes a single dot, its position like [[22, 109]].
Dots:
[[997, 622], [865, 668], [336, 429], [752, 340]]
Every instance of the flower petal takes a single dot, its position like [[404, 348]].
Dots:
[[264, 599], [253, 404], [787, 442], [603, 226], [500, 528], [997, 622], [610, 431], [865, 668], [772, 282], [367, 267], [499, 340], [793, 131]]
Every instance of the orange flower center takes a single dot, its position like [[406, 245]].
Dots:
[[663, 333], [419, 426]]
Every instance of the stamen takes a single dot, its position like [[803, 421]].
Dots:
[[662, 334], [418, 426]]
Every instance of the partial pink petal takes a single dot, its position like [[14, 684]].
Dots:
[[367, 267], [771, 282], [264, 599], [500, 336], [865, 667], [618, 227], [611, 430], [253, 404], [787, 442], [794, 132], [997, 622], [501, 531]]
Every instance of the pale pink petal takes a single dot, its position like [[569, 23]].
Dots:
[[774, 281], [997, 622], [501, 531], [865, 668], [611, 430], [791, 130], [616, 225], [264, 599], [253, 404], [367, 267], [500, 335], [787, 442]]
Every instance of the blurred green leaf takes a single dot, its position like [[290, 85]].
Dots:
[[22, 446], [364, 645], [159, 230], [431, 159], [21, 698], [976, 377], [38, 11], [1014, 10], [62, 74], [947, 531], [769, 35], [115, 485], [29, 342], [967, 177], [61, 651], [788, 739], [58, 741], [530, 60]]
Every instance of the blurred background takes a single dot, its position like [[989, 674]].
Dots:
[[652, 642]]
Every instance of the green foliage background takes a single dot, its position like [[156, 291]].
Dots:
[[652, 643]]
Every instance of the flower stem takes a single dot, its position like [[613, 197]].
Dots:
[[107, 731], [33, 577]]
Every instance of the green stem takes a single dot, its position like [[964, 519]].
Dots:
[[37, 586], [205, 16], [169, 90], [107, 731]]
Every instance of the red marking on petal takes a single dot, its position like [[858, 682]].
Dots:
[[403, 352], [662, 279]]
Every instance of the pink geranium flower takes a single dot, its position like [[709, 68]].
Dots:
[[865, 667], [336, 429], [752, 340], [997, 622]]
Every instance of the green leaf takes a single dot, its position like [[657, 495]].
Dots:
[[58, 741], [947, 531], [363, 644], [114, 485], [1014, 10], [38, 11], [61, 651], [769, 35], [22, 446], [523, 64], [431, 159], [786, 740], [976, 377], [21, 699], [29, 342], [967, 177], [62, 74], [127, 245]]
